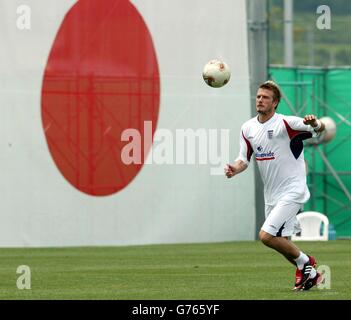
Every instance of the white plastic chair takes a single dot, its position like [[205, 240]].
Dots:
[[310, 224]]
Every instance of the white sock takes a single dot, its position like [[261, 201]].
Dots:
[[301, 260]]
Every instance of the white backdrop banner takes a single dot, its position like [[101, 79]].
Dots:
[[108, 133]]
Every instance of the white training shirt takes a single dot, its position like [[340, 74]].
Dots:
[[278, 148]]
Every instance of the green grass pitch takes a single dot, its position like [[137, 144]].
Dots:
[[229, 271]]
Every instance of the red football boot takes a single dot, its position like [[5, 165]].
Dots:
[[313, 282], [302, 276]]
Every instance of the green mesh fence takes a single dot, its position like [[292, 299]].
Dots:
[[324, 92]]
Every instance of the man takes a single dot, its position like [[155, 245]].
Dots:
[[277, 142]]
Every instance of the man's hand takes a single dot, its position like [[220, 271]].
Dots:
[[233, 169], [311, 120], [230, 171]]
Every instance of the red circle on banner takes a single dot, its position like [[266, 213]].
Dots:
[[101, 82]]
